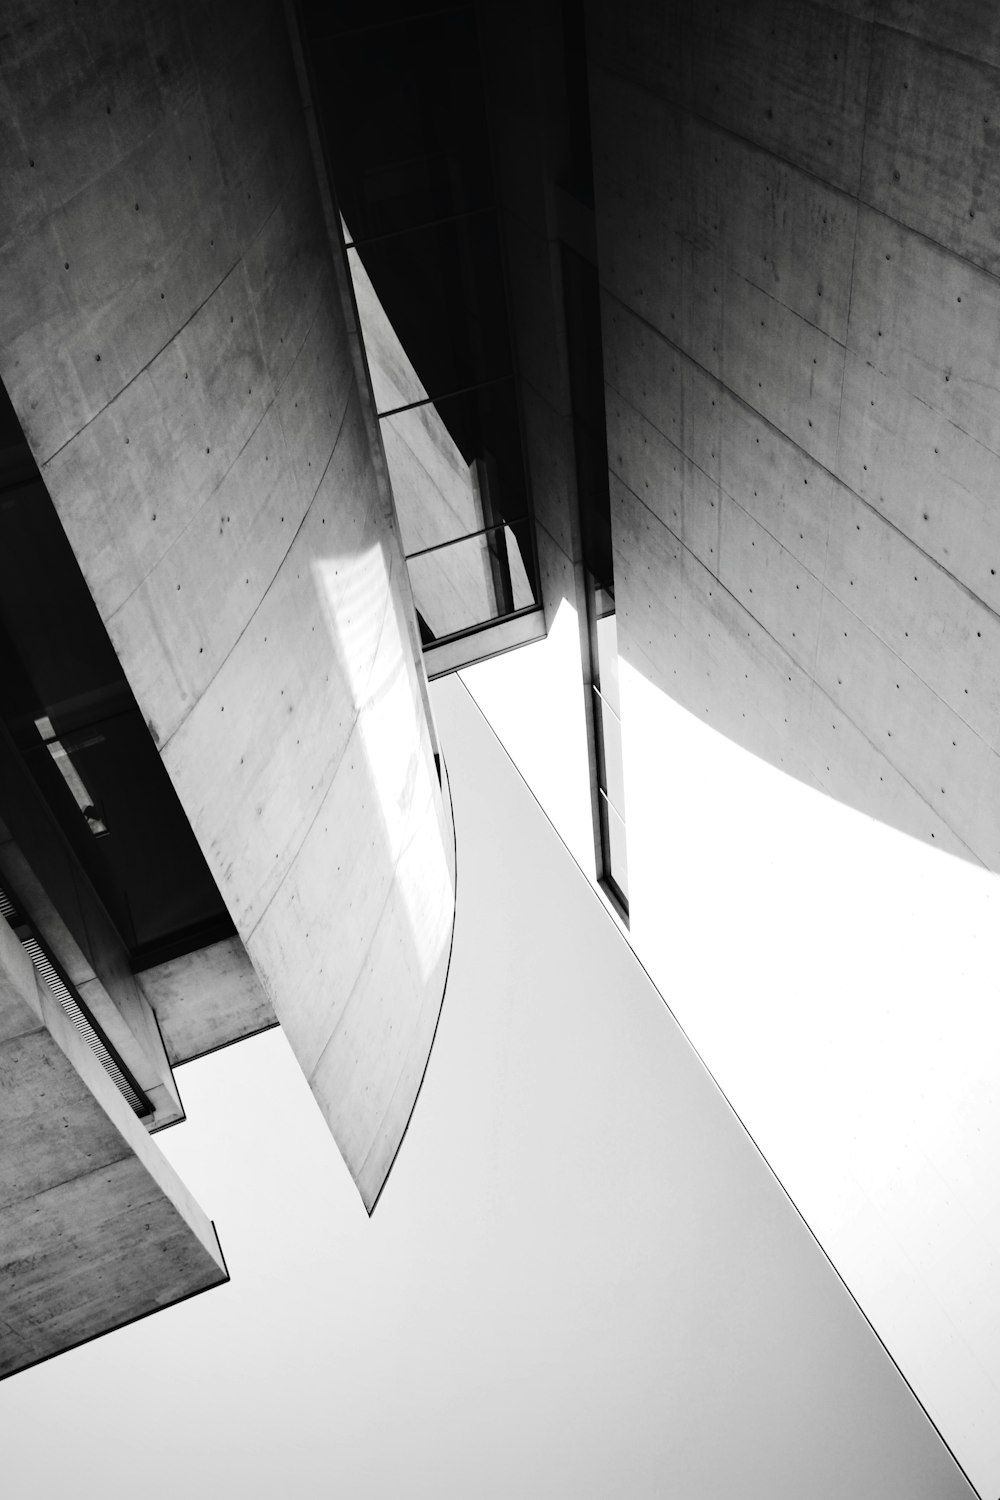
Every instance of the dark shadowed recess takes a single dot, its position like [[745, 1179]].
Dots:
[[81, 782], [401, 99]]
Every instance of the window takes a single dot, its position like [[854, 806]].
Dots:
[[606, 708], [456, 471]]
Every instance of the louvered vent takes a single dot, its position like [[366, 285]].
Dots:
[[62, 990]]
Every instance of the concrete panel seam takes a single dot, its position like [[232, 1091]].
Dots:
[[854, 246], [794, 166], [922, 400], [266, 412], [557, 546], [293, 854], [851, 610], [39, 1195], [175, 334], [934, 45], [43, 463], [841, 599], [162, 745], [746, 140], [541, 396], [921, 234], [815, 687], [840, 343], [732, 395]]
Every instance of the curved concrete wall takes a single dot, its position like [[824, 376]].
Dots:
[[174, 341], [798, 253]]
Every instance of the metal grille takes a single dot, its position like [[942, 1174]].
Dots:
[[62, 990]]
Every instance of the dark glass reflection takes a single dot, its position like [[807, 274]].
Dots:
[[581, 292], [609, 764], [400, 101], [443, 292], [399, 92], [613, 843]]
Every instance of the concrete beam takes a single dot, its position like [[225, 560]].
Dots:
[[206, 1000], [95, 1228]]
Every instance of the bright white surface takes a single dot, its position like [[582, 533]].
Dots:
[[580, 1281], [840, 980], [534, 698]]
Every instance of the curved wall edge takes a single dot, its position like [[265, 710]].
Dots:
[[177, 352]]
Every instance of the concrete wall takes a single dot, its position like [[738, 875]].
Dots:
[[796, 236], [95, 1228], [798, 254], [206, 999], [174, 342]]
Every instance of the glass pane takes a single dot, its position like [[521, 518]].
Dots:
[[613, 845], [470, 582], [607, 658], [437, 493], [442, 290], [394, 380], [522, 593], [581, 292], [610, 772], [401, 107], [455, 466]]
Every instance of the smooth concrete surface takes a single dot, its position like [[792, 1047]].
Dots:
[[95, 1228], [801, 356], [177, 352], [206, 999]]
